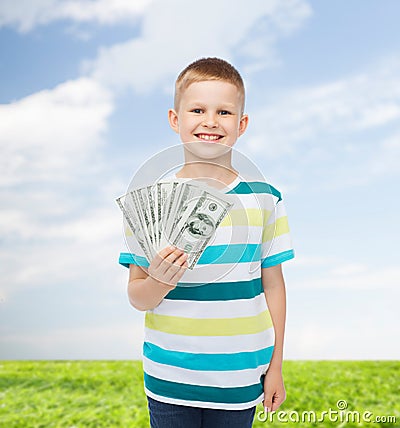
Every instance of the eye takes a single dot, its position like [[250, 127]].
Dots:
[[197, 110], [224, 112]]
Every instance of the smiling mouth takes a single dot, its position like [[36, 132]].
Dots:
[[209, 137]]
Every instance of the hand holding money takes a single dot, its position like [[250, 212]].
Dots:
[[168, 266], [181, 213]]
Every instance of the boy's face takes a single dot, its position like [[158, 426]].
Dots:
[[210, 112]]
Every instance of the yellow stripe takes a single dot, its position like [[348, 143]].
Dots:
[[209, 326], [246, 217], [281, 225]]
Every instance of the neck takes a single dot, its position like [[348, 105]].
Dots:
[[218, 169]]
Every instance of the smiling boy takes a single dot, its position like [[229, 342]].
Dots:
[[209, 108], [214, 344]]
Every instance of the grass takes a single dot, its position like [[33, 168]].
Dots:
[[75, 394]]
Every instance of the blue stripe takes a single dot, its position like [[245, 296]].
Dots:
[[184, 391], [216, 290], [234, 253], [126, 259], [220, 254], [276, 259], [214, 254], [256, 187], [213, 362]]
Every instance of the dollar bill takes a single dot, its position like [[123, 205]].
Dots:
[[198, 225], [164, 191], [142, 216], [149, 198], [182, 212], [132, 220], [186, 193]]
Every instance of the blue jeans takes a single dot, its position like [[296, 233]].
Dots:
[[164, 415]]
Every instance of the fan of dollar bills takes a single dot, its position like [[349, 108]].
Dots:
[[182, 213]]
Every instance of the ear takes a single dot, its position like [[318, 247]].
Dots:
[[244, 121], [173, 120]]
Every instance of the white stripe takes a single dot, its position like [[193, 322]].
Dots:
[[278, 211], [205, 404], [213, 309], [253, 200], [280, 244], [211, 344], [220, 379], [237, 235], [225, 272]]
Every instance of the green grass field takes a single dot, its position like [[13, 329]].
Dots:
[[110, 393]]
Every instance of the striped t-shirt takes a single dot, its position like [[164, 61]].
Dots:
[[210, 341]]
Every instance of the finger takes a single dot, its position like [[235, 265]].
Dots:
[[176, 265], [169, 277], [180, 261], [165, 252], [163, 277], [268, 402], [168, 262], [171, 259], [277, 401], [176, 269], [178, 275], [159, 257], [157, 262]]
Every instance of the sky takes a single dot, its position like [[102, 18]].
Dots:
[[85, 87]]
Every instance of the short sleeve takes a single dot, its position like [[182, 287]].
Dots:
[[134, 253], [276, 240]]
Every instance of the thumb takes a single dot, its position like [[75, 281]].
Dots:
[[268, 400]]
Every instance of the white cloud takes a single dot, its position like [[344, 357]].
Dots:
[[339, 134], [48, 250], [307, 115], [57, 197], [25, 15], [174, 33], [46, 135]]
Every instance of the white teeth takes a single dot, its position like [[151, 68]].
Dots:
[[209, 137]]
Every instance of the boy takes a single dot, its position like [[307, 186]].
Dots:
[[213, 348]]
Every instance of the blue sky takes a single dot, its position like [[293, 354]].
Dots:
[[85, 88]]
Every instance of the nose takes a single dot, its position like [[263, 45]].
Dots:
[[210, 120]]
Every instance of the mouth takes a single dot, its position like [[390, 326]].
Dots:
[[208, 137]]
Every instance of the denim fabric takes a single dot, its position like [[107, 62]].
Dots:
[[165, 415]]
